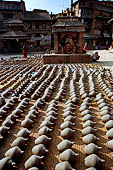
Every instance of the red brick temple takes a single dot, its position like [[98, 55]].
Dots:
[[68, 42], [68, 31]]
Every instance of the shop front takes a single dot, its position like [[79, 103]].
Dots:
[[12, 41]]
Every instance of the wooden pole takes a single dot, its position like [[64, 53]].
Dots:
[[71, 8]]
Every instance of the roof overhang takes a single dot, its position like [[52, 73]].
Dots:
[[68, 30], [11, 35], [90, 36], [110, 21]]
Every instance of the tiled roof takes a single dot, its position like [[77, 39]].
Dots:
[[29, 15], [103, 8], [68, 26], [13, 35], [67, 23], [13, 21]]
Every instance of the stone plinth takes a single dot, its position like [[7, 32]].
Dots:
[[65, 58]]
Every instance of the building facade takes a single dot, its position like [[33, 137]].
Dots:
[[95, 16], [110, 22], [8, 11], [19, 27], [38, 28]]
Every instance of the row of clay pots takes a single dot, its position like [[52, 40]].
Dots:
[[14, 153], [82, 85], [67, 155], [92, 87], [51, 88], [107, 118], [41, 84], [17, 146], [73, 92], [6, 74], [38, 72], [108, 91], [10, 120], [62, 89], [89, 138], [91, 149], [39, 150], [14, 83]]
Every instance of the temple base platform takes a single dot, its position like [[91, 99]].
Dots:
[[66, 58]]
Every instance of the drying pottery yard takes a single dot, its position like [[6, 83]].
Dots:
[[55, 117]]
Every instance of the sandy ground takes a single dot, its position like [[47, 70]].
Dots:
[[106, 57], [52, 157]]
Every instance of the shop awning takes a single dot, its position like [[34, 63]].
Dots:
[[106, 35], [90, 36], [31, 42]]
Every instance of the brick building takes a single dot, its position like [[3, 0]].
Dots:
[[110, 22], [95, 16], [38, 27], [18, 26]]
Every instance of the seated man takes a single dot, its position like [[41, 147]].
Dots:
[[95, 57]]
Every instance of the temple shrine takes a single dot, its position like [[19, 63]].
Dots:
[[68, 42]]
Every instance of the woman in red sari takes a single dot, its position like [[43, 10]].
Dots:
[[25, 51]]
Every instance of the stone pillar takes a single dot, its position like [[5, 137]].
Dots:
[[81, 41], [9, 45], [56, 43]]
